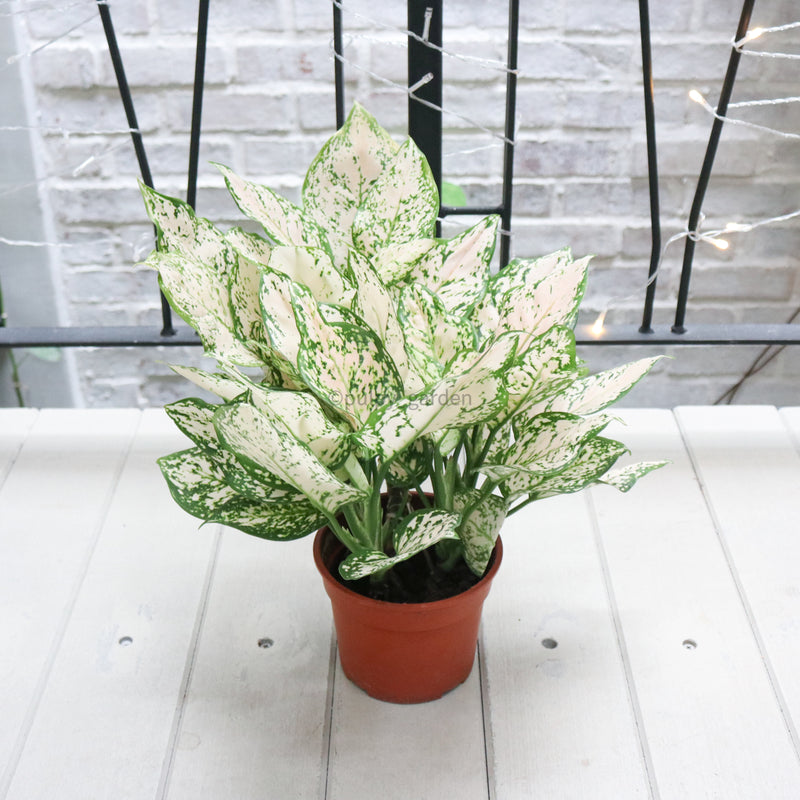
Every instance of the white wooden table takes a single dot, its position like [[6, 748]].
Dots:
[[130, 664]]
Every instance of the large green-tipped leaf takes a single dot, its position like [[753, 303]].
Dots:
[[275, 297], [195, 418], [479, 531], [596, 392], [344, 363], [400, 206], [301, 415], [470, 395], [256, 442], [313, 268], [624, 478], [395, 262], [544, 444], [340, 175], [250, 245], [457, 269], [528, 271], [419, 531], [282, 220], [595, 458], [198, 485]]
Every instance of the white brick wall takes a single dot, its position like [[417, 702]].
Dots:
[[580, 163]]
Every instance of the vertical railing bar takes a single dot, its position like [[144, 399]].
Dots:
[[652, 166], [338, 66], [136, 135], [197, 102], [708, 164], [510, 131], [424, 121]]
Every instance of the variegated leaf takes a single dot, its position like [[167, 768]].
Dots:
[[221, 385], [254, 440], [313, 268], [375, 306], [479, 531], [394, 263], [457, 269], [431, 330], [473, 393], [197, 485], [275, 298], [624, 478], [345, 364], [199, 296], [420, 530], [244, 281], [250, 245], [195, 418], [528, 271], [282, 220], [342, 172], [544, 444], [182, 232], [595, 458], [301, 415], [596, 392], [400, 206]]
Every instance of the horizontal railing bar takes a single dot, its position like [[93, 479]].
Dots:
[[740, 334], [106, 336], [446, 211], [148, 336]]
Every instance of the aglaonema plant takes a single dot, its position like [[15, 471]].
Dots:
[[375, 378]]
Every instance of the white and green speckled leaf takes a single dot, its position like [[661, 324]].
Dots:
[[479, 531], [275, 297], [313, 268], [394, 263], [255, 440], [595, 458], [457, 269], [468, 396], [345, 364], [282, 220], [624, 478], [528, 271], [431, 330], [250, 245], [400, 206], [596, 392], [181, 231], [420, 530], [340, 175], [544, 444], [195, 418], [198, 486], [375, 305], [301, 415], [244, 281], [221, 385], [200, 297]]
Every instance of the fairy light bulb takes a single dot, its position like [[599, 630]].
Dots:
[[720, 244], [697, 97], [753, 34], [597, 328]]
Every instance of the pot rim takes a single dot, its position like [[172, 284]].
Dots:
[[355, 597]]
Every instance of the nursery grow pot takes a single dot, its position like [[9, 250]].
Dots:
[[403, 652]]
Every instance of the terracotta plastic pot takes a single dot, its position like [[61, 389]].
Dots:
[[403, 652]]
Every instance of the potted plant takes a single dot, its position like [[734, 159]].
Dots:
[[383, 387]]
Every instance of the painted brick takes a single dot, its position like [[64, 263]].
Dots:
[[229, 17], [100, 111], [573, 60], [268, 61], [590, 158], [250, 112], [65, 67]]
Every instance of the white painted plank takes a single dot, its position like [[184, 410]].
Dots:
[[105, 718], [561, 718], [750, 470], [254, 723], [712, 724], [426, 751], [791, 419], [53, 503], [14, 426]]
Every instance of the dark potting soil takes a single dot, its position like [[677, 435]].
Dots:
[[413, 581]]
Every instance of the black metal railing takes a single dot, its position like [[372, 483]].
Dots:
[[425, 39]]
